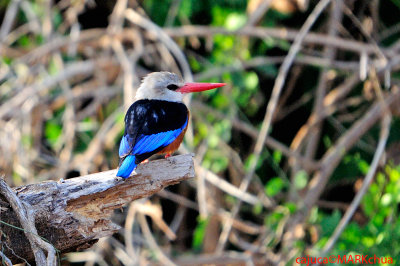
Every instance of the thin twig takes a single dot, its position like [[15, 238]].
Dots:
[[5, 260], [313, 136], [152, 242], [253, 132], [258, 13], [329, 54], [283, 33], [365, 185], [80, 68], [26, 218], [8, 19], [159, 33], [279, 82], [334, 154], [228, 187], [128, 235], [172, 13]]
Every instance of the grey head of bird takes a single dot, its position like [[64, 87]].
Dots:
[[168, 86], [161, 86]]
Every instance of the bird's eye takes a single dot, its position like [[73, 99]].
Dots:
[[172, 87]]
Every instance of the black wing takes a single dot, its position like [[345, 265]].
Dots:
[[150, 126]]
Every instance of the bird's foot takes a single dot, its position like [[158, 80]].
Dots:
[[167, 155], [145, 161]]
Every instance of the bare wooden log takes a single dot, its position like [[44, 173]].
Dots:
[[73, 214]]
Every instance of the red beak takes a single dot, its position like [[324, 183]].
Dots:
[[196, 87]]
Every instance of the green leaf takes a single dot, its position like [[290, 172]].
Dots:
[[268, 70], [257, 209], [185, 8], [329, 223], [53, 67], [363, 166], [368, 204], [24, 41], [250, 160], [235, 21], [291, 207], [194, 64], [251, 81], [223, 129], [394, 175], [213, 140], [219, 164], [386, 199], [274, 186], [368, 241], [52, 132], [277, 155], [221, 101], [57, 19], [199, 233], [327, 141], [300, 180], [203, 129]]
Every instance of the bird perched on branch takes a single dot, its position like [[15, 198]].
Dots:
[[157, 121]]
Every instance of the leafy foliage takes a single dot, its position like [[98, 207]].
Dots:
[[379, 235]]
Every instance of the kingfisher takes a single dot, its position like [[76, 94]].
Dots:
[[157, 120]]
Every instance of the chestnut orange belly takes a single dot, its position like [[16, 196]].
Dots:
[[171, 148]]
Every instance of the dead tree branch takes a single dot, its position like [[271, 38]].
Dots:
[[73, 214], [25, 215]]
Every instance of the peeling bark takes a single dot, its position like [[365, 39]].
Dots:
[[73, 214]]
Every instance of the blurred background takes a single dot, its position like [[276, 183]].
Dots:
[[297, 155]]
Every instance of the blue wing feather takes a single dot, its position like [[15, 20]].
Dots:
[[125, 146], [127, 166], [149, 143], [148, 130]]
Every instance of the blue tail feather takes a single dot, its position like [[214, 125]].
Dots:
[[127, 166]]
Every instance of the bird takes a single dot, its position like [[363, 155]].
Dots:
[[157, 120]]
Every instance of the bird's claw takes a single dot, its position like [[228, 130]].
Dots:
[[167, 155]]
